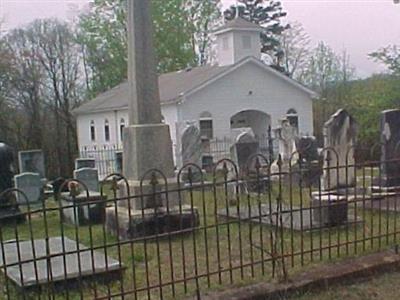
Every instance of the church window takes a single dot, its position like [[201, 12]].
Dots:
[[106, 131], [121, 129], [206, 125], [92, 131]]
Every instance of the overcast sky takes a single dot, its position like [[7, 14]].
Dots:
[[360, 26]]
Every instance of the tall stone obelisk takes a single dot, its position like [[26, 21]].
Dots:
[[147, 146], [147, 141]]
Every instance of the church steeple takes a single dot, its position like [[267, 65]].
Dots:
[[236, 40]]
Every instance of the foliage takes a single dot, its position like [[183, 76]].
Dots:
[[390, 57], [325, 68], [268, 14], [181, 38]]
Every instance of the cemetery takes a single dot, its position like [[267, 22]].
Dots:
[[171, 219]]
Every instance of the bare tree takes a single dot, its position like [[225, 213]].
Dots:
[[295, 44]]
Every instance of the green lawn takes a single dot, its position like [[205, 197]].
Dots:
[[382, 287]]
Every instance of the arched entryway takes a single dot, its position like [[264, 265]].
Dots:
[[257, 120]]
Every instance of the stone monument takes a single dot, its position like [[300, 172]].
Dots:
[[191, 145], [8, 207], [330, 206], [390, 141], [31, 185], [81, 163], [32, 161], [245, 145], [147, 142], [340, 133], [286, 135]]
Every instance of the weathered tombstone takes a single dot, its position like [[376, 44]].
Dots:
[[118, 162], [191, 148], [89, 177], [32, 161], [307, 147], [245, 145], [286, 135], [81, 163], [31, 185], [310, 167], [8, 207], [330, 206], [340, 133], [390, 140]]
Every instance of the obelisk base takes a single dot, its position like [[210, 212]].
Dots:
[[147, 147]]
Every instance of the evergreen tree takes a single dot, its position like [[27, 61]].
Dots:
[[268, 14]]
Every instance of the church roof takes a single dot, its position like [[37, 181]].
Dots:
[[176, 84], [172, 86], [238, 23]]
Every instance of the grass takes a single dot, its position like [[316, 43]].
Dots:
[[223, 255], [382, 287]]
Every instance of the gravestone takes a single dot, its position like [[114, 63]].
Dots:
[[390, 140], [311, 167], [330, 205], [191, 145], [307, 146], [89, 177], [32, 161], [119, 162], [340, 133], [8, 206], [31, 185], [245, 145], [27, 263], [286, 135], [81, 163]]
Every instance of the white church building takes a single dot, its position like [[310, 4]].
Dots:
[[239, 91]]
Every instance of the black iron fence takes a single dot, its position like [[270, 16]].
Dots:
[[171, 239]]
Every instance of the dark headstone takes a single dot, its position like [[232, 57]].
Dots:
[[307, 147], [310, 167], [390, 139], [8, 206], [6, 171], [245, 146], [118, 162]]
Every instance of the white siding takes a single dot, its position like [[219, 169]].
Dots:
[[236, 50], [114, 118], [248, 88]]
